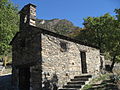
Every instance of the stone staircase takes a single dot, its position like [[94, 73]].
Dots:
[[77, 83]]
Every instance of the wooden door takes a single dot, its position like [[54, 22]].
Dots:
[[83, 62], [24, 79]]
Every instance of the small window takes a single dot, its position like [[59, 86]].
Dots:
[[63, 46]]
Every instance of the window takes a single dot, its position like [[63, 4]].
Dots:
[[63, 46]]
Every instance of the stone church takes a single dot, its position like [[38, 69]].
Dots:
[[44, 60]]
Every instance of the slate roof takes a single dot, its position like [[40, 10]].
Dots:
[[44, 31]]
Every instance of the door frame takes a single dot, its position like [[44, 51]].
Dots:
[[83, 62]]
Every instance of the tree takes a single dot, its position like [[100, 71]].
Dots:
[[96, 29], [9, 21], [75, 33], [103, 32], [113, 47]]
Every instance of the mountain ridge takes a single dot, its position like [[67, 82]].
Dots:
[[60, 26]]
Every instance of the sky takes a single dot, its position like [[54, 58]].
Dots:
[[72, 10]]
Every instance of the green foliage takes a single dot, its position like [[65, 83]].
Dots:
[[75, 32], [86, 87], [101, 77], [96, 30], [8, 25], [117, 11]]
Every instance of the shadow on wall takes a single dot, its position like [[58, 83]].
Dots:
[[50, 84]]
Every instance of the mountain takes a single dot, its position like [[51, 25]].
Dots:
[[60, 26]]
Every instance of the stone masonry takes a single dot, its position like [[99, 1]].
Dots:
[[44, 60], [66, 64]]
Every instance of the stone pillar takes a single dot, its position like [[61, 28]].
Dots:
[[27, 16]]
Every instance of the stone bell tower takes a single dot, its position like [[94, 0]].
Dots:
[[27, 16]]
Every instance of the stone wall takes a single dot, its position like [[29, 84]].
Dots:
[[65, 61], [59, 60], [26, 49]]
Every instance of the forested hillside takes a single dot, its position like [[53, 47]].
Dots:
[[60, 26]]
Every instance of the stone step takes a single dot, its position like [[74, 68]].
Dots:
[[76, 82], [72, 86], [76, 86], [68, 89], [83, 76], [79, 79]]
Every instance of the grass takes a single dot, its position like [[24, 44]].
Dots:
[[100, 78], [102, 82], [87, 87], [96, 81]]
